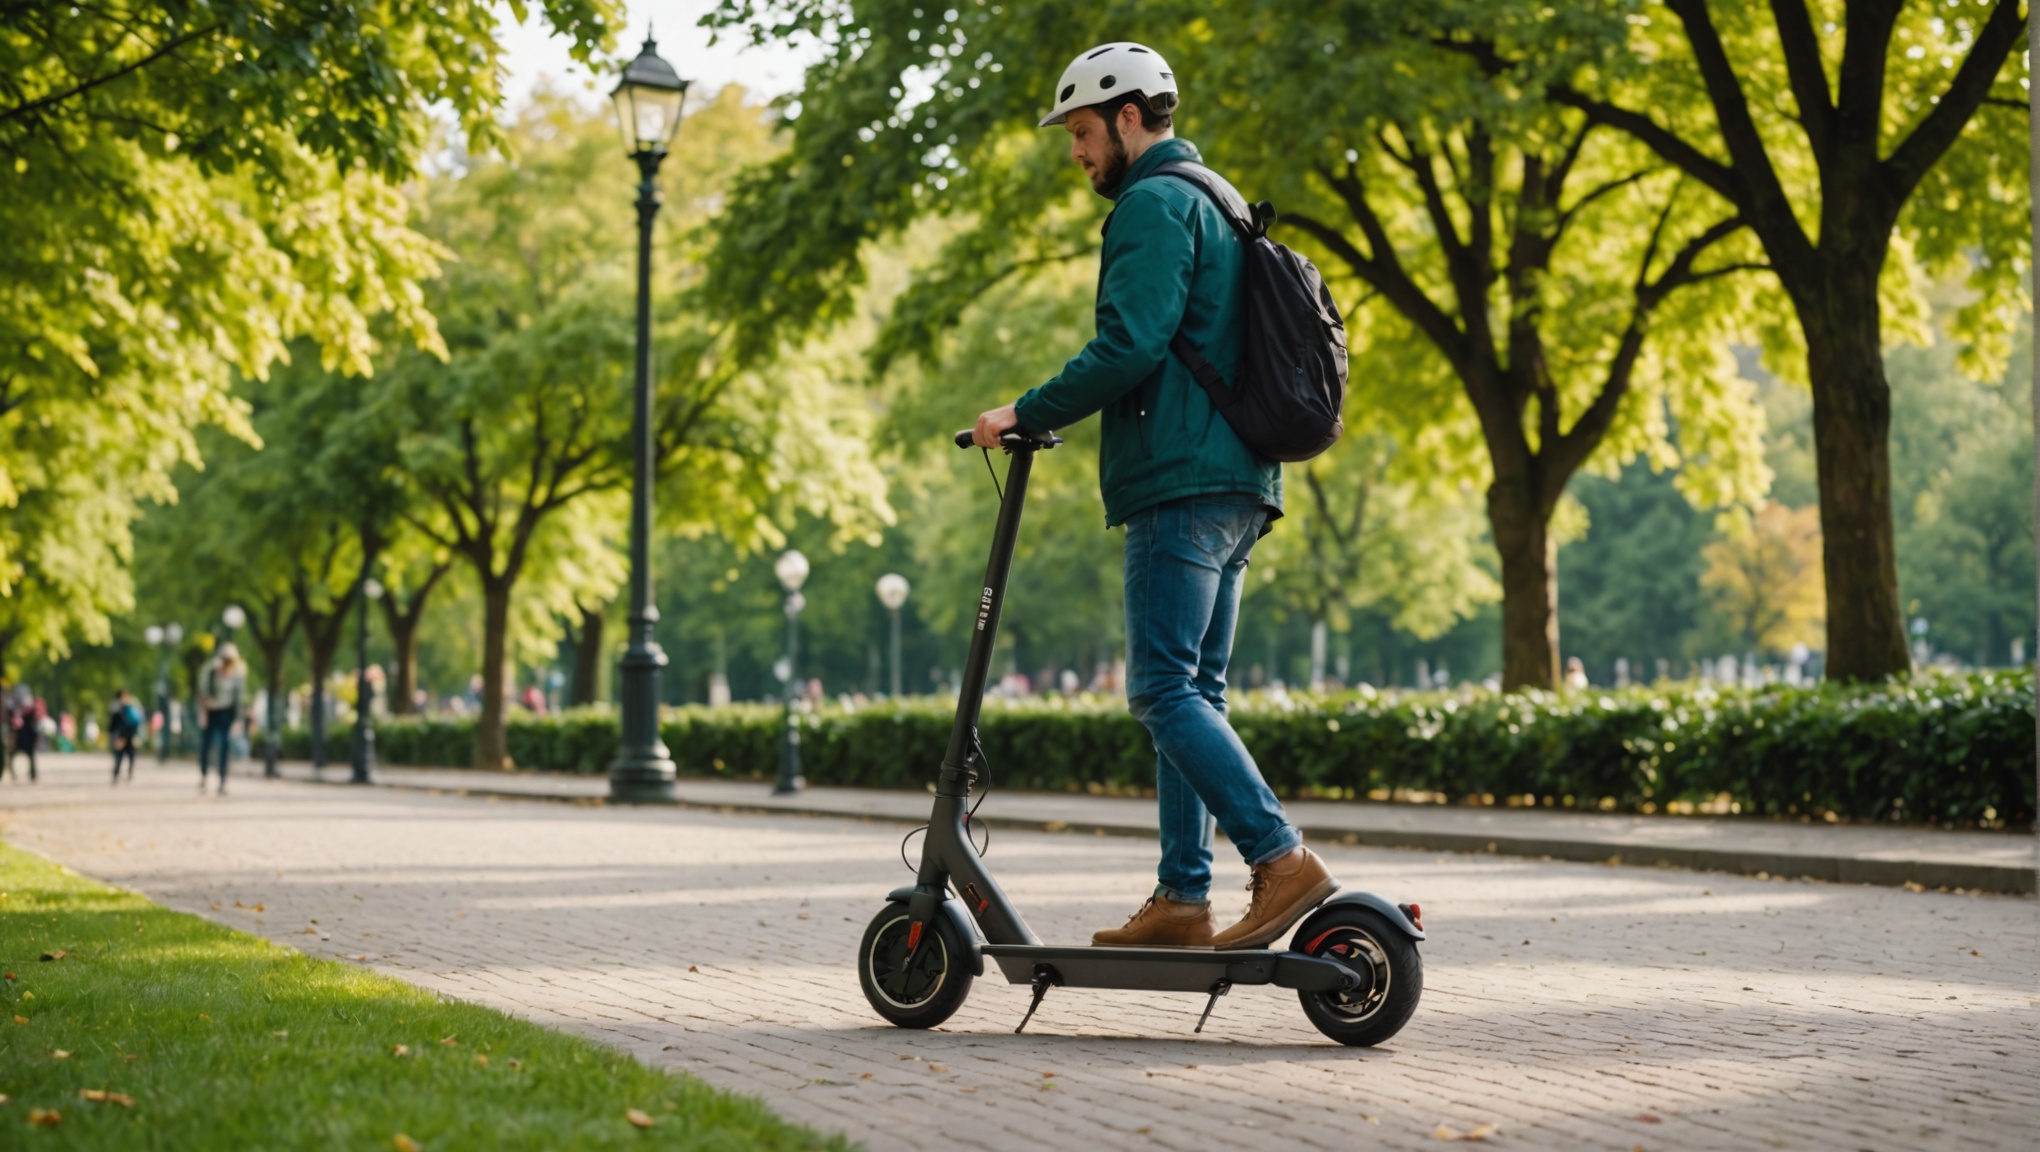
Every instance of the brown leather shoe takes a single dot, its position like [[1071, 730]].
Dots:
[[1280, 892], [1161, 923]]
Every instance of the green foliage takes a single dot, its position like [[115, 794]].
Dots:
[[189, 188], [1954, 749], [166, 1008]]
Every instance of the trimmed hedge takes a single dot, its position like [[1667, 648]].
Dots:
[[1938, 749]]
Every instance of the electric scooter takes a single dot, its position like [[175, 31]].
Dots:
[[1353, 961]]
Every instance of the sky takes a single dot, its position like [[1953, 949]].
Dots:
[[532, 55]]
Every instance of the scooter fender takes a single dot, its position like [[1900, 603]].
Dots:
[[952, 909], [1377, 903]]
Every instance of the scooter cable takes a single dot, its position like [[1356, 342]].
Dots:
[[994, 474], [969, 820]]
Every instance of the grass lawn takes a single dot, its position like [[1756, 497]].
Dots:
[[202, 1037]]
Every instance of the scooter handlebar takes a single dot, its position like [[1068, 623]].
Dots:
[[1012, 438]]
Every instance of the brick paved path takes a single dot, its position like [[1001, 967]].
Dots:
[[1575, 1006]]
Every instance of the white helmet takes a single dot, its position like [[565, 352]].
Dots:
[[1111, 70]]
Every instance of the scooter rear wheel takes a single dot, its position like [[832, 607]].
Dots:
[[1391, 971], [934, 985]]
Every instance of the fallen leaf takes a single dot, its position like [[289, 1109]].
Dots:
[[311, 931], [1647, 1118], [517, 1063], [21, 1019], [481, 1059], [1915, 886], [11, 976], [59, 954], [967, 1090], [909, 1056], [1483, 1131], [403, 1143], [216, 908], [260, 908], [448, 1041], [45, 1117], [1446, 1132], [102, 1096], [638, 1118], [934, 1067], [203, 1016], [1046, 1075], [1055, 826], [1371, 1119], [1975, 953], [59, 1054], [866, 1076], [281, 1035], [692, 968], [1143, 1131], [401, 1050]]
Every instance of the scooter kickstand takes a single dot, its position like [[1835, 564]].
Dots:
[[1044, 979], [1217, 990]]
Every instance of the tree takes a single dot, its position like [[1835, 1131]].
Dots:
[[1861, 143], [1536, 293], [516, 447], [189, 187], [1762, 578]]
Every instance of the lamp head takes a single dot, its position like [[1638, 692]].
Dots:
[[792, 570], [372, 588], [647, 102], [233, 616], [153, 634], [174, 633], [892, 590]]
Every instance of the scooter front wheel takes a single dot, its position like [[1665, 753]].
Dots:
[[917, 993], [1391, 975]]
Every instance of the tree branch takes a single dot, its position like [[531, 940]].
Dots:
[[1808, 75], [169, 46], [1910, 162]]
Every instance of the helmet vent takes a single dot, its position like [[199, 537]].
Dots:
[[1107, 83], [1099, 52], [1067, 89], [1142, 51]]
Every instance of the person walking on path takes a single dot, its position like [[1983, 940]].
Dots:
[[25, 724], [1192, 496], [123, 728], [220, 686]]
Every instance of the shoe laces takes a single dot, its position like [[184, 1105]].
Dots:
[[1141, 911], [1257, 887]]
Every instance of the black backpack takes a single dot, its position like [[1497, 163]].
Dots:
[[1287, 403]]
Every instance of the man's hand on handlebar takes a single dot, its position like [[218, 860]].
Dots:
[[992, 424]]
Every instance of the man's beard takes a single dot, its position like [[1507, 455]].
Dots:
[[1108, 178]]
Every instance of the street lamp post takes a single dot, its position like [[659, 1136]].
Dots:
[[892, 592], [792, 570], [163, 639], [364, 692], [648, 111]]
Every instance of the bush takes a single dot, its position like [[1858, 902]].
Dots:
[[1937, 749]]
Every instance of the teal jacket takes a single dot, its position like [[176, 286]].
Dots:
[[1171, 261]]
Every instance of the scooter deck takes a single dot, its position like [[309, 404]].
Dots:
[[1169, 969]]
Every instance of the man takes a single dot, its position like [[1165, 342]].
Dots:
[[1193, 498], [220, 686]]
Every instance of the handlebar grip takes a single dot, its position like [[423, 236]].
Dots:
[[1013, 438]]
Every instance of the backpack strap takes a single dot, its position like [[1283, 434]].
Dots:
[[1250, 223]]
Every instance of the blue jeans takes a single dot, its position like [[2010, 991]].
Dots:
[[218, 730], [1184, 563]]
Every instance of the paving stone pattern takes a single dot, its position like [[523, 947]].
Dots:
[[1574, 1006]]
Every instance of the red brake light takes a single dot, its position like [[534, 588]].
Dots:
[[1416, 915]]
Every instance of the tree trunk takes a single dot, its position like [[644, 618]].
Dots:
[[1866, 637], [321, 658], [404, 674], [491, 745], [1522, 534], [272, 685], [588, 657]]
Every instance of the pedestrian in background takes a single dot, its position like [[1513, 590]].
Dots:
[[123, 728], [221, 684], [25, 721]]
